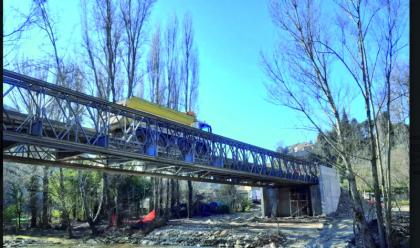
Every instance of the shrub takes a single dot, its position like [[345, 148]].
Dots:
[[56, 213], [9, 213], [245, 204]]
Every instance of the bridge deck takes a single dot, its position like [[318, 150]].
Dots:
[[54, 123]]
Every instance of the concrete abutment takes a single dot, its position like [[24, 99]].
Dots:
[[321, 198]]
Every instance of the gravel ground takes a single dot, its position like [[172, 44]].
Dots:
[[234, 230]]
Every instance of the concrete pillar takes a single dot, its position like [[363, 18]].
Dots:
[[275, 202], [315, 200], [326, 194], [266, 202], [284, 202]]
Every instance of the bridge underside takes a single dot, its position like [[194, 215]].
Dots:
[[41, 151]]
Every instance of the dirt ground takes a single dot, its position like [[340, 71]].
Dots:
[[239, 230], [233, 230]]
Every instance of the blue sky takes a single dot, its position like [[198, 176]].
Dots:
[[229, 36], [232, 97]]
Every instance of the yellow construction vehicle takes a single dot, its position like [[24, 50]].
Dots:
[[188, 118]]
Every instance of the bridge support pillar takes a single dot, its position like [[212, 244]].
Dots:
[[315, 199], [300, 200], [326, 194], [275, 202]]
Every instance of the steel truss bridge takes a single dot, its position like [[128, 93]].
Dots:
[[49, 125]]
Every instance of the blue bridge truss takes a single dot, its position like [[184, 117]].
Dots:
[[46, 124]]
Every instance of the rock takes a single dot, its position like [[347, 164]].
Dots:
[[223, 233], [91, 242]]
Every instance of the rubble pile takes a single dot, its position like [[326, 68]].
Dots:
[[401, 228], [220, 231], [25, 242], [221, 238], [237, 230]]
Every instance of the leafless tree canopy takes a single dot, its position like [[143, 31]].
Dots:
[[318, 64]]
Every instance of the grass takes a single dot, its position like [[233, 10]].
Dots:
[[401, 203]]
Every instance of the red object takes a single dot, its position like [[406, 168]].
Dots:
[[149, 217]]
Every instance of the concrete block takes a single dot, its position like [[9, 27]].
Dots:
[[275, 202], [329, 186], [284, 202], [315, 199]]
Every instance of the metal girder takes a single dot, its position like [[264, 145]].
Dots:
[[76, 166], [56, 117]]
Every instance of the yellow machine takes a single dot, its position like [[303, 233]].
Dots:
[[188, 119]]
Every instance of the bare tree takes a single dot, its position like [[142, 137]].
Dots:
[[195, 81], [91, 50], [12, 34], [101, 20], [135, 14], [190, 78], [90, 215], [46, 24], [33, 187], [64, 206], [307, 88], [110, 27], [45, 198], [171, 63], [392, 35], [187, 47], [155, 70], [101, 30], [360, 59]]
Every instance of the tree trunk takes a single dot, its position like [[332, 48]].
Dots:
[[152, 198], [109, 210], [172, 193], [87, 209], [190, 194], [119, 202], [167, 192], [88, 213], [33, 200], [19, 214], [358, 210], [376, 189], [160, 192], [156, 195], [177, 197], [66, 215], [45, 200]]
